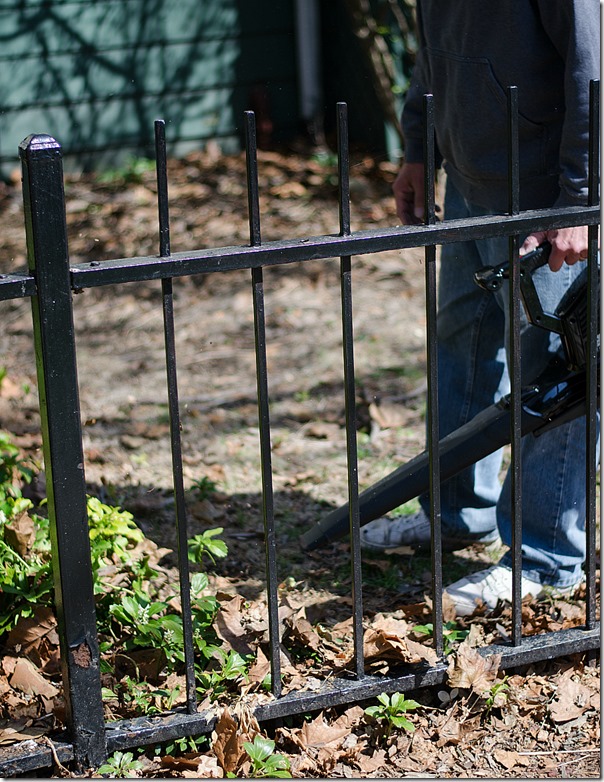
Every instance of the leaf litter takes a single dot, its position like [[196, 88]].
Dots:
[[541, 721]]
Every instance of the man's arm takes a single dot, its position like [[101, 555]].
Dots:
[[574, 28]]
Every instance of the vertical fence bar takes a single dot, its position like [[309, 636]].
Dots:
[[433, 435], [514, 359], [268, 511], [349, 390], [592, 357], [48, 259], [174, 415]]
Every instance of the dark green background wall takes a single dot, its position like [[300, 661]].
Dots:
[[96, 73]]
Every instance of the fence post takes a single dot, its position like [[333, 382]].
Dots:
[[48, 259]]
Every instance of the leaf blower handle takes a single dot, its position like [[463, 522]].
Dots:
[[490, 278]]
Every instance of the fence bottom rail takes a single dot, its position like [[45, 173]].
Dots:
[[142, 731]]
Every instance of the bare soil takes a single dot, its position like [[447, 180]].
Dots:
[[121, 368]]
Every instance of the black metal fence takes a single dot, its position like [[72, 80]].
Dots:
[[50, 284]]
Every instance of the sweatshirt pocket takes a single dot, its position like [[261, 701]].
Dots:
[[471, 119]]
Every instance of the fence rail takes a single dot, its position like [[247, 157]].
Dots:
[[50, 284]]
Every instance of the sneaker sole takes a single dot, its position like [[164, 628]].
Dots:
[[448, 545]]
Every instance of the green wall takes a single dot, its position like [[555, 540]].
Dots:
[[95, 74]]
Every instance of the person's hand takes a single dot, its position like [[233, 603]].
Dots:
[[408, 188], [569, 245]]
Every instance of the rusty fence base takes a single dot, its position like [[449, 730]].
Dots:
[[144, 731]]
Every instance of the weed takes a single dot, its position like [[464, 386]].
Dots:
[[184, 744], [14, 470], [138, 696], [146, 624], [134, 606], [451, 634], [204, 487], [498, 694], [206, 544], [132, 171], [407, 508], [121, 765], [232, 668], [391, 712], [264, 762]]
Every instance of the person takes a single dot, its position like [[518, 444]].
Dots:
[[468, 55]]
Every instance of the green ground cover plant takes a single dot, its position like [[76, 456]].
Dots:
[[137, 600]]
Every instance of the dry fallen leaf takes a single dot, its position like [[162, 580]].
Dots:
[[36, 637], [27, 678], [229, 625], [319, 733], [572, 699], [20, 730], [374, 763], [509, 759], [379, 644], [470, 670], [20, 533], [227, 743]]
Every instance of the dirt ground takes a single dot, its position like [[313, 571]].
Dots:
[[126, 430]]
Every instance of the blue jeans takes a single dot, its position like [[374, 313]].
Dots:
[[473, 332]]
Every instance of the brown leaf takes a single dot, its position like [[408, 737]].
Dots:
[[193, 765], [383, 645], [27, 678], [146, 664], [190, 760], [20, 730], [509, 759], [20, 533], [449, 732], [36, 637], [208, 767], [388, 415], [319, 733], [370, 764], [573, 698], [470, 670], [229, 625], [228, 742], [258, 671], [351, 717], [301, 630]]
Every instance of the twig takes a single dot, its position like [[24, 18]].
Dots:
[[63, 771], [557, 751]]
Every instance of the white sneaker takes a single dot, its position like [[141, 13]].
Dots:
[[495, 584], [413, 531]]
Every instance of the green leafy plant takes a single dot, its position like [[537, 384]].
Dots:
[[451, 634], [204, 487], [132, 171], [232, 667], [264, 762], [141, 697], [498, 693], [137, 607], [391, 712], [25, 568], [184, 744], [147, 624], [121, 765], [14, 469], [207, 544]]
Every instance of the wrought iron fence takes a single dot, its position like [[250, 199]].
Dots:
[[50, 284]]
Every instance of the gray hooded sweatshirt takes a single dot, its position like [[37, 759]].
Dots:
[[470, 52]]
